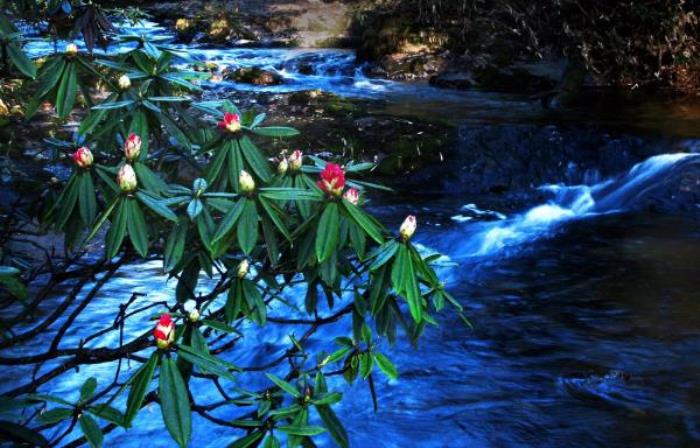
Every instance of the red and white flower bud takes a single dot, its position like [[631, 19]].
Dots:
[[352, 196], [408, 227], [126, 178], [246, 182], [243, 267], [332, 179], [164, 332], [83, 157], [124, 82], [295, 160], [231, 122], [71, 49], [132, 147], [282, 166]]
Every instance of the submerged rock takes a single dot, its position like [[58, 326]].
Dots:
[[254, 75]]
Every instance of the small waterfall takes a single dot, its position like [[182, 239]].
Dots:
[[569, 203]]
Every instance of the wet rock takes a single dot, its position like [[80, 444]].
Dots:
[[454, 80], [254, 75], [512, 79]]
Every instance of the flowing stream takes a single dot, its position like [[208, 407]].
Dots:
[[585, 304]]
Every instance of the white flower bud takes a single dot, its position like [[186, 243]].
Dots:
[[126, 178], [243, 267], [408, 228], [246, 182], [282, 166], [71, 49], [124, 82]]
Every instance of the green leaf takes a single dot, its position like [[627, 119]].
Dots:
[[290, 194], [361, 218], [21, 61], [327, 398], [229, 220], [136, 225], [148, 179], [175, 245], [107, 413], [207, 362], [157, 206], [140, 383], [386, 366], [383, 254], [103, 218], [66, 202], [50, 74], [282, 384], [299, 430], [247, 441], [366, 363], [247, 230], [219, 326], [255, 159], [19, 433], [275, 217], [174, 402], [117, 230], [334, 426], [86, 199], [327, 232], [88, 389], [67, 89], [194, 208], [92, 431], [111, 105], [404, 281], [55, 415], [276, 131]]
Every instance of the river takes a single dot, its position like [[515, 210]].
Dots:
[[584, 298]]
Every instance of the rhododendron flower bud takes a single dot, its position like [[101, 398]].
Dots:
[[408, 227], [124, 82], [126, 178], [192, 312], [231, 122], [295, 160], [83, 157], [282, 166], [332, 179], [352, 196], [164, 332], [243, 267], [132, 147], [246, 182], [71, 49]]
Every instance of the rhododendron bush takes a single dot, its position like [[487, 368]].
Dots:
[[267, 229]]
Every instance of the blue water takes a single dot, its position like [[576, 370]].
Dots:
[[584, 305]]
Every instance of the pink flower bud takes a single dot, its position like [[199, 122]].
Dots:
[[246, 182], [332, 179], [83, 157], [231, 122], [164, 331], [352, 196], [295, 160], [126, 178], [132, 147], [408, 228]]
